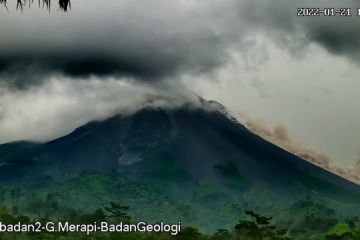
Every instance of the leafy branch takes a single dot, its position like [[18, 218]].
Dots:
[[64, 5]]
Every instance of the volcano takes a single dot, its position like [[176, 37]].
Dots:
[[195, 164]]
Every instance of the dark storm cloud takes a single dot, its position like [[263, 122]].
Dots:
[[144, 60], [338, 38], [138, 39], [338, 34], [156, 40]]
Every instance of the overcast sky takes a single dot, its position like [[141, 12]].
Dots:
[[60, 70]]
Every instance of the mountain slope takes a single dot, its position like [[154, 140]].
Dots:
[[197, 156]]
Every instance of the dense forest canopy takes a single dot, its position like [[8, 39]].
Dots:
[[64, 5]]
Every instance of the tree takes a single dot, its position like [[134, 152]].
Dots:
[[64, 5], [221, 234], [6, 216], [118, 212], [258, 229], [351, 223], [188, 233], [97, 216], [344, 236], [261, 221]]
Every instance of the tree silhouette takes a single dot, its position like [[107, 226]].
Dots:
[[118, 212], [260, 228], [64, 5], [221, 234], [344, 236], [188, 233]]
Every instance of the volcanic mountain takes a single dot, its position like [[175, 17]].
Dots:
[[195, 164]]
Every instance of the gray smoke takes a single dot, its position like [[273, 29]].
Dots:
[[280, 137]]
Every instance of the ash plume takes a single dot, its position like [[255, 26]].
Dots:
[[280, 137]]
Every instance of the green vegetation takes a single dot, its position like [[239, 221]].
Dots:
[[93, 196], [161, 167], [230, 173], [252, 227]]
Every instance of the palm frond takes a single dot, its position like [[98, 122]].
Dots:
[[64, 5], [4, 3]]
